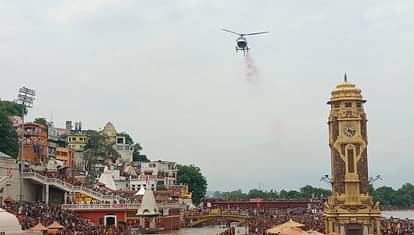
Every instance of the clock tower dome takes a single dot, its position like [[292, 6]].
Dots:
[[350, 209]]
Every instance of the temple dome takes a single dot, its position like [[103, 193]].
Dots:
[[346, 91], [8, 222]]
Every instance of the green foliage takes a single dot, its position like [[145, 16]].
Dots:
[[10, 108], [128, 138], [305, 192], [97, 151], [41, 121], [137, 156], [197, 183], [8, 137]]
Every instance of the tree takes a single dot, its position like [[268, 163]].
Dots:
[[385, 195], [11, 108], [97, 151], [41, 121], [128, 138], [197, 183], [8, 136], [137, 156]]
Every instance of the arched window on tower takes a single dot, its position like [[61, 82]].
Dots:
[[351, 162]]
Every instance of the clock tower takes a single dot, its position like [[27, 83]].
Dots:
[[350, 209]]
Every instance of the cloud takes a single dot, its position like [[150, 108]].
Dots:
[[71, 11]]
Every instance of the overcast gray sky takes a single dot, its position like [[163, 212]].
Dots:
[[164, 72]]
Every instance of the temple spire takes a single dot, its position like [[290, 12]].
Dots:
[[345, 78]]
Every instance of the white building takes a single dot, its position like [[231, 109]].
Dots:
[[124, 149], [155, 174], [9, 178], [113, 180], [146, 182]]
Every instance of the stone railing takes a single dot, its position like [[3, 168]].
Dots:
[[134, 206], [100, 206], [70, 187]]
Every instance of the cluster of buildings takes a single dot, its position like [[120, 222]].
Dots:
[[65, 146], [47, 148]]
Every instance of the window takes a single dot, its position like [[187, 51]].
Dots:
[[348, 104], [350, 160]]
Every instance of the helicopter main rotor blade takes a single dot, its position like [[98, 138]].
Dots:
[[229, 31], [257, 33]]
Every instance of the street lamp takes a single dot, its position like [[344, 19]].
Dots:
[[25, 98]]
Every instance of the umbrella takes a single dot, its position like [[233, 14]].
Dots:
[[312, 232], [292, 224], [278, 228], [292, 231], [55, 225], [8, 199], [38, 227]]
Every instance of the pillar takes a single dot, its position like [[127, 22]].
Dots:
[[365, 229], [378, 225], [47, 194], [65, 196], [342, 229]]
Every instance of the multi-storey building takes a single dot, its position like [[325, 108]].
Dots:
[[124, 149], [35, 143], [66, 155], [52, 140], [164, 174], [77, 140]]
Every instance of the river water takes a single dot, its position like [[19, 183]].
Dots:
[[399, 214]]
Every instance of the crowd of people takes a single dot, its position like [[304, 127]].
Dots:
[[268, 219], [314, 221], [393, 226], [30, 214]]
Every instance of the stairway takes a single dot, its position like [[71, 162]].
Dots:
[[4, 181], [70, 187]]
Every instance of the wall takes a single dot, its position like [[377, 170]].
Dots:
[[97, 216]]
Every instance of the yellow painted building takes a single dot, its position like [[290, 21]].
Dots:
[[77, 141], [66, 155]]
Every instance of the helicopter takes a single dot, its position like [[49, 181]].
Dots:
[[241, 42]]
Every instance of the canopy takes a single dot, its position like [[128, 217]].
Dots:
[[9, 199], [312, 232], [292, 224], [38, 227], [55, 225], [279, 228], [292, 231]]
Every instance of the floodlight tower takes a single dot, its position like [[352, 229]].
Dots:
[[25, 98]]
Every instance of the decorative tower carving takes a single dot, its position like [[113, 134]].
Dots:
[[350, 208]]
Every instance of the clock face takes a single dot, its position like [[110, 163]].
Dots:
[[349, 130]]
